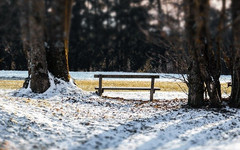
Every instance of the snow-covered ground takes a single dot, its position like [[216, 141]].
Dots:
[[65, 117]]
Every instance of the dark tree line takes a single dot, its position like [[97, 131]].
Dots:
[[109, 32], [11, 53], [118, 35]]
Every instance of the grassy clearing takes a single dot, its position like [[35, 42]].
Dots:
[[89, 85], [11, 84]]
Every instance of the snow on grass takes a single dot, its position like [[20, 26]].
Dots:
[[63, 88], [145, 96], [65, 117]]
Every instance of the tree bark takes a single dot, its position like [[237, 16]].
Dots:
[[235, 94], [195, 86], [209, 67], [39, 74], [57, 34], [219, 42], [195, 82], [40, 23]]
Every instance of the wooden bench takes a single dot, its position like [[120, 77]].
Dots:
[[151, 89]]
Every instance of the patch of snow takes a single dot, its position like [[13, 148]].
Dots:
[[65, 117], [146, 95], [62, 87]]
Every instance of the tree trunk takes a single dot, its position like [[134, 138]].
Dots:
[[219, 42], [195, 83], [235, 94], [57, 34], [209, 67], [39, 74], [195, 86], [160, 15], [40, 23]]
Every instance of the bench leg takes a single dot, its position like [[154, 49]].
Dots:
[[100, 90], [151, 96], [98, 93], [152, 89]]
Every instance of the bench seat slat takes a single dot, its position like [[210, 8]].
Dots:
[[125, 76], [126, 88]]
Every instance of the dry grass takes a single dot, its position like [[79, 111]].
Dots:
[[225, 89], [89, 85], [11, 84]]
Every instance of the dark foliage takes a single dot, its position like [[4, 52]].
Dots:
[[11, 54], [111, 35]]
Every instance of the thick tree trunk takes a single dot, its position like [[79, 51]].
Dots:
[[195, 83], [195, 86], [51, 24], [235, 94], [209, 67], [57, 33], [39, 74]]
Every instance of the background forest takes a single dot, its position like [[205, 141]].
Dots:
[[117, 35]]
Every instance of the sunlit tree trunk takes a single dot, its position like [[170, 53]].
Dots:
[[235, 94], [57, 34]]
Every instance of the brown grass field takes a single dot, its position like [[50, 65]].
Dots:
[[89, 85]]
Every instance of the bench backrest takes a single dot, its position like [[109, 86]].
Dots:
[[125, 76]]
